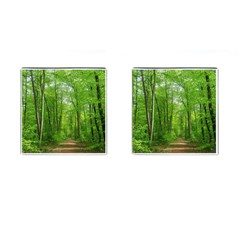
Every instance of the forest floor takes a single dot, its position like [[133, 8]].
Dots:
[[179, 146], [70, 146]]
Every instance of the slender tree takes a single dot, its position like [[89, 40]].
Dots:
[[35, 104], [100, 108], [146, 104], [210, 105]]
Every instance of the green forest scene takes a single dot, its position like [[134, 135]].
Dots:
[[174, 110], [63, 110]]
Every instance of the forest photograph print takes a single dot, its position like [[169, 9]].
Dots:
[[174, 110], [63, 110]]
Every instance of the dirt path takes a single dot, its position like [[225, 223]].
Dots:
[[180, 146], [70, 146]]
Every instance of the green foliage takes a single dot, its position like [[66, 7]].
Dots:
[[140, 132], [140, 146], [97, 147], [207, 148], [30, 143], [168, 137], [140, 141], [30, 146], [58, 137], [30, 132]]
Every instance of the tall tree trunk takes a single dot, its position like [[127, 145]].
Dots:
[[78, 113], [35, 105], [207, 124], [95, 116], [85, 120], [186, 127], [171, 115], [91, 121], [42, 95], [100, 108], [188, 111], [56, 105], [206, 116], [61, 113], [78, 124], [146, 105], [25, 105], [164, 115], [71, 126], [75, 127], [153, 94], [189, 123], [210, 106], [53, 116], [96, 123], [136, 104], [159, 113], [201, 122], [195, 118], [166, 106], [48, 112]]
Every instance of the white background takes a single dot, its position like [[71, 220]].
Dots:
[[119, 195]]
